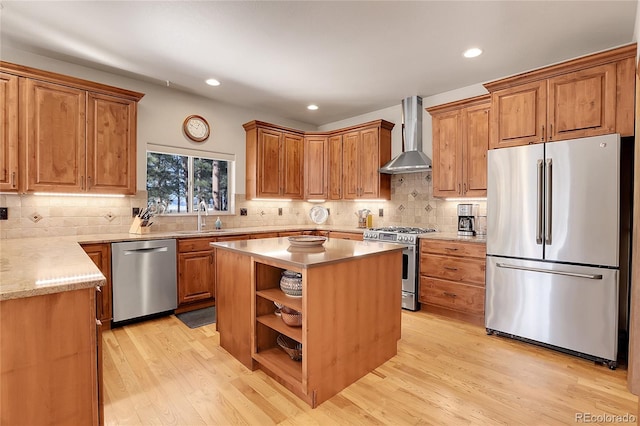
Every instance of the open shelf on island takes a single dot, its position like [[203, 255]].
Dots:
[[275, 322], [277, 295], [277, 360]]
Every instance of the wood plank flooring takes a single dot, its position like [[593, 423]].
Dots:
[[160, 372]]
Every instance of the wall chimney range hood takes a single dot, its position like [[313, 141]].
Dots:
[[412, 159]]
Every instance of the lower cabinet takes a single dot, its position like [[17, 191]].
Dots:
[[101, 256], [355, 236], [452, 278], [49, 363], [196, 274]]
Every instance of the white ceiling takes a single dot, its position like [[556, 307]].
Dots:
[[348, 57]]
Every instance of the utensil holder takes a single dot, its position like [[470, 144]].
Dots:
[[137, 228]]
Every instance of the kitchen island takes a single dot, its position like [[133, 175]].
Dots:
[[350, 305]]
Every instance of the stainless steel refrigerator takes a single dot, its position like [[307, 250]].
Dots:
[[553, 245]]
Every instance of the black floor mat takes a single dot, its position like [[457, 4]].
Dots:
[[195, 319]]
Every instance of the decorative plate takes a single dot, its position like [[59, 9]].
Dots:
[[318, 214], [307, 241]]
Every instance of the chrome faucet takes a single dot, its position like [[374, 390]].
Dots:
[[201, 205]]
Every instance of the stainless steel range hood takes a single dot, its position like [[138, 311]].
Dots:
[[412, 159]]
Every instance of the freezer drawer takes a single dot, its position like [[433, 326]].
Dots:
[[568, 306]]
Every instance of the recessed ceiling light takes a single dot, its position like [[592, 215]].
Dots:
[[472, 53], [312, 107], [213, 82]]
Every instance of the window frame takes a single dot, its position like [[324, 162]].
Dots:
[[191, 155]]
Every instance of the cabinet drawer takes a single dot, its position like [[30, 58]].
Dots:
[[195, 244], [453, 268], [453, 248], [447, 294]]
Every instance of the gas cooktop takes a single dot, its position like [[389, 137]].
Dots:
[[403, 229]]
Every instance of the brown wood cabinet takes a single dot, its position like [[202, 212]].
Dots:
[[75, 135], [196, 274], [9, 133], [354, 236], [584, 97], [452, 278], [460, 144], [341, 164], [364, 151], [275, 160], [49, 360], [316, 167], [100, 254]]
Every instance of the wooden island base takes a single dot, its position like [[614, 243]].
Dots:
[[350, 311]]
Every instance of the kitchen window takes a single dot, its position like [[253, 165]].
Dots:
[[178, 181]]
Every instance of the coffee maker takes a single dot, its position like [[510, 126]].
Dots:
[[467, 219]]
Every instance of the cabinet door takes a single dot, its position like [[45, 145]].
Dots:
[[196, 274], [447, 154], [474, 150], [316, 175], [111, 144], [292, 170], [582, 103], [269, 182], [335, 167], [54, 137], [350, 172], [9, 133], [369, 159], [519, 115], [100, 254]]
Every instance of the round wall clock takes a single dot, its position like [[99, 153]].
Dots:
[[196, 128]]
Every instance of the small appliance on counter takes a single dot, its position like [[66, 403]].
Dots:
[[467, 219]]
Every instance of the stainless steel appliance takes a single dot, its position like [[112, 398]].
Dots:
[[408, 237], [553, 245], [466, 219], [144, 278]]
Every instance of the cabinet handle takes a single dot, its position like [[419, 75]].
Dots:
[[210, 259], [13, 179], [464, 185], [451, 248], [98, 289], [459, 189], [98, 322], [551, 131], [88, 182], [82, 182], [450, 268], [542, 138], [446, 293]]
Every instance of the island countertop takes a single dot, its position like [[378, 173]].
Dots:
[[332, 251]]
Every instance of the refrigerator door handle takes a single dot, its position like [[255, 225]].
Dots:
[[549, 271], [547, 203], [539, 206]]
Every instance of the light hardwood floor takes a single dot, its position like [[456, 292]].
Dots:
[[161, 372]]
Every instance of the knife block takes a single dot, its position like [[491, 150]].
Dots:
[[137, 228]]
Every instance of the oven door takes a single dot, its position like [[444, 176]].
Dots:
[[409, 282]]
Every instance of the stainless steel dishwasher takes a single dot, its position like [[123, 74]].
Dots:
[[144, 278]]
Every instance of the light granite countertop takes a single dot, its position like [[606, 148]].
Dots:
[[332, 251], [36, 266]]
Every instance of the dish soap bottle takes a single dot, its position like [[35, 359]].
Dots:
[[218, 223]]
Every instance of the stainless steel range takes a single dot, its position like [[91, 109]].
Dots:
[[408, 237]]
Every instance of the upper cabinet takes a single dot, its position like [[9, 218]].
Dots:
[[460, 144], [72, 135], [9, 133], [341, 164], [588, 96], [316, 164], [275, 158]]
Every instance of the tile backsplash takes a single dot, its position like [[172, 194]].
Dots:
[[411, 204]]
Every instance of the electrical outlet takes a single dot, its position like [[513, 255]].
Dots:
[[4, 213], [135, 211], [243, 212], [279, 211], [380, 212]]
